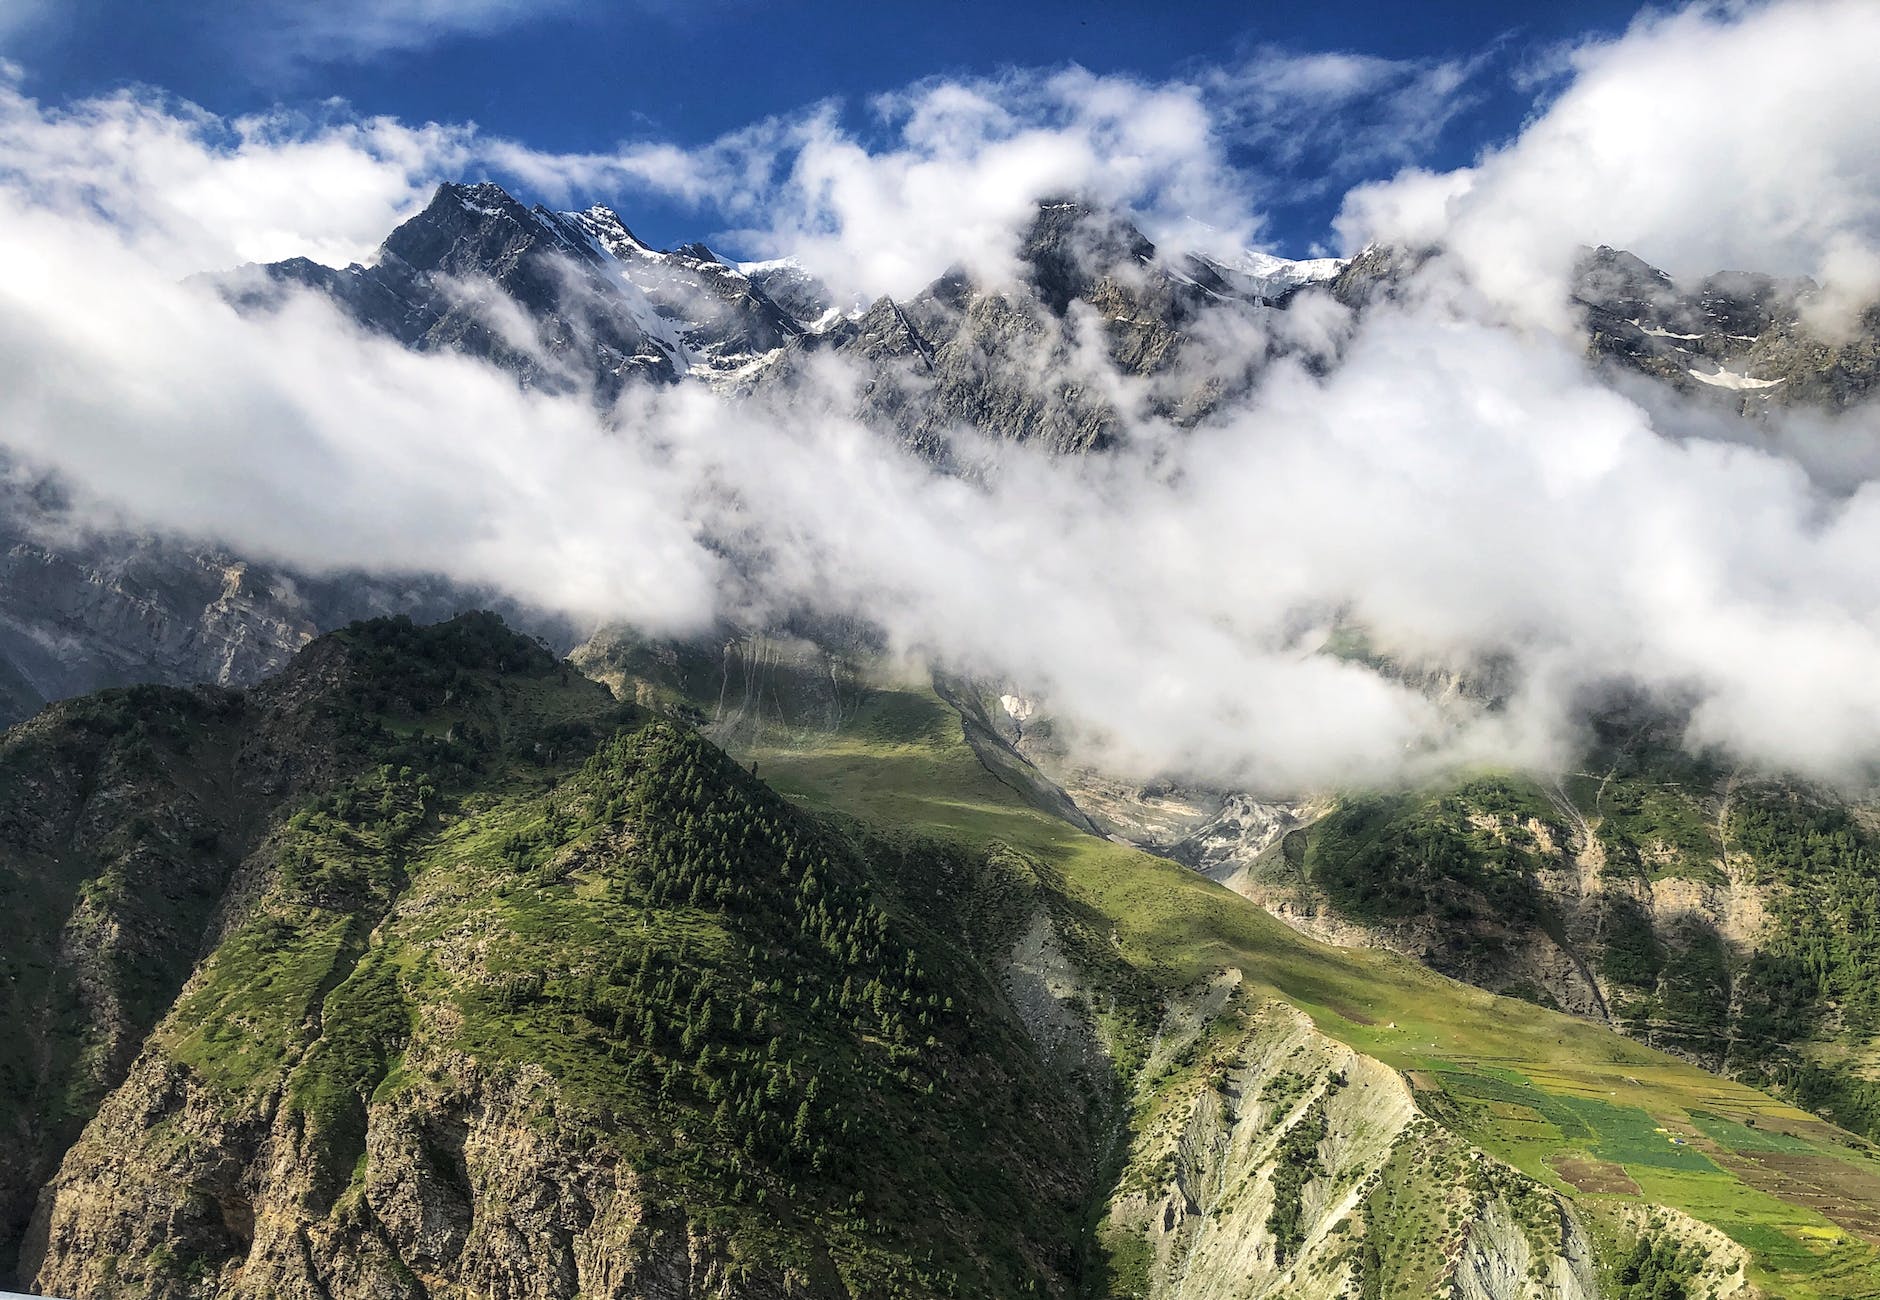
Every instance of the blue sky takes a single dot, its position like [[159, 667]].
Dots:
[[584, 76]]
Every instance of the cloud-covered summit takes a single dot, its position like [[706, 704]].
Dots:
[[1471, 491]]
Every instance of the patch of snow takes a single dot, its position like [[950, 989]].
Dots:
[[1731, 379], [659, 329], [772, 264], [1658, 333], [724, 372], [1268, 267], [603, 226], [1272, 277], [1177, 276]]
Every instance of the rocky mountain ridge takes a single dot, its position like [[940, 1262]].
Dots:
[[1742, 337], [574, 301], [81, 611]]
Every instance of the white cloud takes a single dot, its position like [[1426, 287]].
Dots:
[[968, 164], [300, 438], [1718, 136], [965, 165], [1320, 120], [194, 191], [1462, 489]]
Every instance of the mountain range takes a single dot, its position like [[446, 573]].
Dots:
[[360, 946]]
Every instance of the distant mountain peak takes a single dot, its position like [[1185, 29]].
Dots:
[[602, 224], [1274, 276], [698, 251], [486, 197]]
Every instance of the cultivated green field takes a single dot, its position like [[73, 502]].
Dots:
[[1531, 1086]]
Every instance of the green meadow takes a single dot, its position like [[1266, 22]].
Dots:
[[1529, 1085]]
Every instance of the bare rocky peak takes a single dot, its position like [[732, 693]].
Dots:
[[1741, 338], [1007, 361]]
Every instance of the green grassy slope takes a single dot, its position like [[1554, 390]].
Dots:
[[116, 840], [774, 1028], [1734, 921], [1534, 1087]]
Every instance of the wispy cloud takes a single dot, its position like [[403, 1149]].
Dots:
[[1316, 122], [939, 173], [286, 34], [195, 191], [18, 17]]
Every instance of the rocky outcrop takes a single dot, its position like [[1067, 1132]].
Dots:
[[1745, 340], [466, 1185], [115, 611], [1270, 1160], [124, 821], [1500, 1259], [81, 610], [1098, 330], [1269, 1149], [134, 834], [478, 273], [1723, 1268]]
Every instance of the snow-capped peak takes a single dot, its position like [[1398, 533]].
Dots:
[[604, 226], [485, 198], [1275, 275], [771, 264]]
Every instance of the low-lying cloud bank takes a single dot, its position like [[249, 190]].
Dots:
[[1459, 484]]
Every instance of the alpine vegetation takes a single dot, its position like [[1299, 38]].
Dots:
[[1152, 665]]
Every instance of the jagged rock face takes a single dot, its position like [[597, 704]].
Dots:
[[1273, 1150], [800, 293], [605, 309], [109, 873], [1033, 361], [467, 1191], [1742, 338], [442, 280], [82, 612], [1278, 1162], [1374, 275], [136, 610], [600, 308], [123, 819], [726, 318]]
